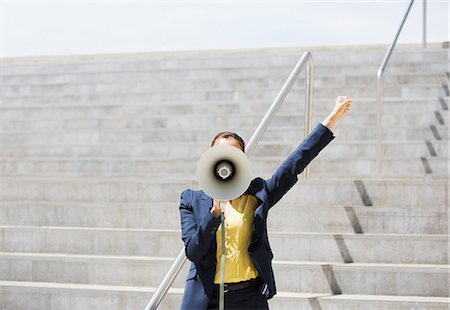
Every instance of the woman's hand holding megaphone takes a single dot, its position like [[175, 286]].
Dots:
[[215, 210]]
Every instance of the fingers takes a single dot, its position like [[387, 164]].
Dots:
[[342, 98], [347, 105], [215, 210], [345, 100], [343, 104]]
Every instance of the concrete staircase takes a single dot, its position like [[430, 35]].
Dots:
[[95, 151]]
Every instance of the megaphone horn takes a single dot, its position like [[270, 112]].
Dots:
[[223, 172]]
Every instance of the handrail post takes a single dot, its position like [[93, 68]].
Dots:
[[308, 105], [380, 72], [424, 34], [379, 146], [256, 137]]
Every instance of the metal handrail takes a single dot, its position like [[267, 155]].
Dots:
[[307, 60], [380, 73]]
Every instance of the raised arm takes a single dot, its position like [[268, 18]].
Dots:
[[286, 175]]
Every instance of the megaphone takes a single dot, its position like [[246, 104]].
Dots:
[[223, 172]]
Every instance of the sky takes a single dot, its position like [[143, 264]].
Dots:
[[35, 28]]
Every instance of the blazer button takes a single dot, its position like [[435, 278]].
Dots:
[[213, 232]]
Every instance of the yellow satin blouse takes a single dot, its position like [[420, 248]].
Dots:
[[238, 233]]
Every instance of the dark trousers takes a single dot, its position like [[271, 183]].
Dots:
[[245, 298]]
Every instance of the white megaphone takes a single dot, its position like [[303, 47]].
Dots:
[[223, 172]]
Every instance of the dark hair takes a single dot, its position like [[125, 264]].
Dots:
[[228, 134]]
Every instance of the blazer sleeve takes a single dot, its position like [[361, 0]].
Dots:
[[286, 175], [197, 237]]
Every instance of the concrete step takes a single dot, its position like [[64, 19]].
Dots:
[[346, 132], [167, 84], [88, 269], [358, 219], [55, 296], [192, 150], [283, 218], [229, 120], [89, 189], [225, 94], [345, 247], [354, 302], [432, 167], [220, 77], [272, 76], [320, 106], [47, 76], [17, 295], [307, 277], [100, 116], [138, 105], [249, 58], [316, 192], [364, 248], [77, 135], [389, 279]]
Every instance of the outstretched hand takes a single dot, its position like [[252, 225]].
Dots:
[[341, 108]]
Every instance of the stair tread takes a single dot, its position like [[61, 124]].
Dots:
[[296, 295], [388, 298], [84, 257], [273, 233]]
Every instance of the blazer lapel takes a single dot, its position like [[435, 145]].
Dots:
[[206, 205]]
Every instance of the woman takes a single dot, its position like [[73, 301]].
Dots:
[[248, 268]]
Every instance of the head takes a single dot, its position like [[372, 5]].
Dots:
[[230, 138]]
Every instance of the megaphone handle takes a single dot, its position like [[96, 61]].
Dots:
[[222, 262]]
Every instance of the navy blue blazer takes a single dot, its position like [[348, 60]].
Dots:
[[199, 226]]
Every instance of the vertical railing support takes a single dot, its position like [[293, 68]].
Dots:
[[380, 72], [424, 31], [308, 106], [380, 149], [306, 59]]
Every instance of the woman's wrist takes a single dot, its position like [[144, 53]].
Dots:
[[215, 213], [330, 120]]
